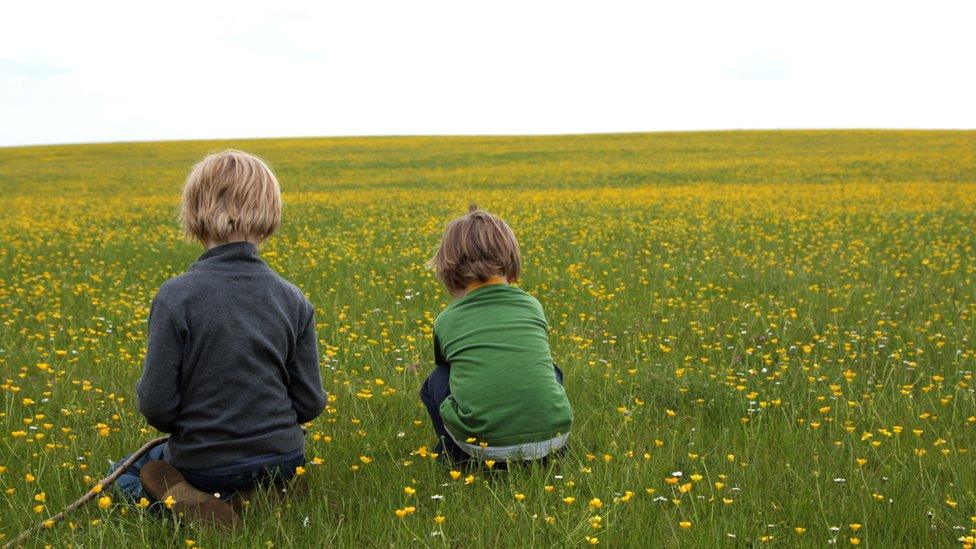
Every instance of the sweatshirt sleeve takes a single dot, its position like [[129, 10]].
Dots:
[[157, 391], [305, 383], [439, 359]]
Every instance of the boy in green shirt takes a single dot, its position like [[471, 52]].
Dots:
[[495, 393]]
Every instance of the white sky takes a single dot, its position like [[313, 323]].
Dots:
[[110, 71]]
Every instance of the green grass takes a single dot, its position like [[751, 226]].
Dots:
[[757, 308]]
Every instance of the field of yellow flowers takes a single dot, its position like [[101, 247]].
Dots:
[[767, 336]]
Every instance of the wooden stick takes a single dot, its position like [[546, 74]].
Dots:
[[89, 495]]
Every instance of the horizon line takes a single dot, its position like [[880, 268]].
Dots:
[[478, 135]]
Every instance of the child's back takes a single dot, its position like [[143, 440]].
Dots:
[[503, 386], [232, 366]]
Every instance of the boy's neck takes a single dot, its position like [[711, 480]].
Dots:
[[488, 282], [208, 245]]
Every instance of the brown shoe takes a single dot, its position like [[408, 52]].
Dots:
[[162, 481]]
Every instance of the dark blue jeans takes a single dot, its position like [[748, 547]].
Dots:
[[433, 392], [224, 484]]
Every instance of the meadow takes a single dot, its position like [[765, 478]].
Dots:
[[768, 337]]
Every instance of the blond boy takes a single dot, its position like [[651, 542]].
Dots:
[[231, 368]]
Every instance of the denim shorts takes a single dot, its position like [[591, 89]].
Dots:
[[225, 484]]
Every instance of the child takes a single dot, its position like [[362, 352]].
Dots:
[[232, 365], [495, 393]]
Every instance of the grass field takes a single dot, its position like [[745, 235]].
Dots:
[[767, 336]]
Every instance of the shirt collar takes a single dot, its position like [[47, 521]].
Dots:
[[238, 254]]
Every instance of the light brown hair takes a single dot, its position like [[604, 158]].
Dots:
[[231, 194], [474, 248]]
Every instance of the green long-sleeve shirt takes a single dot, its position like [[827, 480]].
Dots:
[[503, 385]]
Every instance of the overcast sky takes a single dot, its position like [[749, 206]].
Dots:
[[111, 71]]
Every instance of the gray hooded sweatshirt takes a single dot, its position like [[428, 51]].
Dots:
[[232, 365]]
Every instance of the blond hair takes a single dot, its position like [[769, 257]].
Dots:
[[231, 194], [474, 248]]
